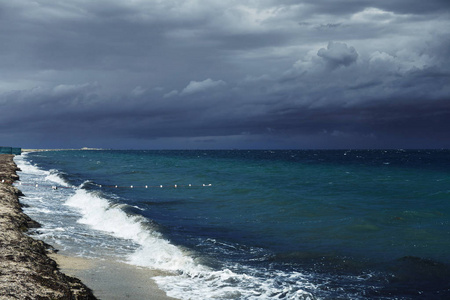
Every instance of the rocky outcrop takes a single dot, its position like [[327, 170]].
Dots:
[[26, 272]]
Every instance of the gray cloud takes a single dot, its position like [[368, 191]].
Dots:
[[338, 54], [225, 74], [200, 86]]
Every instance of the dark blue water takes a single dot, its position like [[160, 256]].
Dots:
[[275, 224]]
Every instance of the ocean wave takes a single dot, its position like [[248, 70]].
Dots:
[[187, 278], [136, 227], [246, 284], [154, 251], [56, 177], [27, 167]]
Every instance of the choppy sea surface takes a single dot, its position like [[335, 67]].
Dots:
[[285, 224]]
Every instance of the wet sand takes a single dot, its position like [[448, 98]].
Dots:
[[111, 279]]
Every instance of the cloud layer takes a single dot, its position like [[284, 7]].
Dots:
[[225, 74]]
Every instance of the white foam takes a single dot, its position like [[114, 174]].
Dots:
[[227, 284], [30, 169], [27, 167], [154, 251], [43, 210], [55, 177]]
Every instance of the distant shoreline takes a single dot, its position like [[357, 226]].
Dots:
[[83, 149]]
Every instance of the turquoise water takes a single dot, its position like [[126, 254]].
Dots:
[[259, 224]]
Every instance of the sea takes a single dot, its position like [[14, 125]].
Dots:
[[253, 224]]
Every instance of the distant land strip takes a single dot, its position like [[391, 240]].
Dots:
[[41, 150]]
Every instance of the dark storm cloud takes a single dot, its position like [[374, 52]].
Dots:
[[187, 74]]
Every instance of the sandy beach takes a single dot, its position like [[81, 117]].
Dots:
[[30, 269], [111, 279]]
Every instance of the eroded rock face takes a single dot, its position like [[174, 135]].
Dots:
[[26, 272]]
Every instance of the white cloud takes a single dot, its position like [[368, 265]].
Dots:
[[372, 14], [63, 90], [171, 94], [199, 86], [138, 91]]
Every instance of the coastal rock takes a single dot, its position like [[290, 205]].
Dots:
[[26, 272]]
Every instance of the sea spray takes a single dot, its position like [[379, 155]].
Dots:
[[60, 224], [55, 177], [154, 251], [247, 283]]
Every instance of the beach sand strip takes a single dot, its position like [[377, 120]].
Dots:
[[112, 280]]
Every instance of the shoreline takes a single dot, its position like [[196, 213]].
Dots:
[[71, 149], [31, 269], [26, 270]]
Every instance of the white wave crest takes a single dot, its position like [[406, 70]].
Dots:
[[55, 177], [227, 284], [154, 251], [27, 167]]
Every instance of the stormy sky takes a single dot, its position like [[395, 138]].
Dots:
[[215, 74]]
